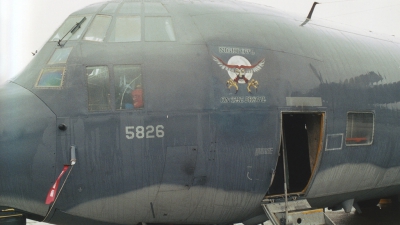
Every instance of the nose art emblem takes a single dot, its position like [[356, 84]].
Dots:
[[240, 71]]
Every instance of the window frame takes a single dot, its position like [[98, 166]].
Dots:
[[112, 29], [158, 6], [110, 96], [90, 29], [79, 34], [54, 56], [121, 8], [63, 68], [371, 132], [114, 77]]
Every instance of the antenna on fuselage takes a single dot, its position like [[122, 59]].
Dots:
[[310, 14], [312, 10]]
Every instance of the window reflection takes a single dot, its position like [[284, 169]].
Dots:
[[360, 128], [60, 55], [159, 29], [98, 88], [127, 28], [51, 77], [128, 87], [98, 28], [68, 25]]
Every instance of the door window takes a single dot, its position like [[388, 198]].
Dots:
[[360, 128]]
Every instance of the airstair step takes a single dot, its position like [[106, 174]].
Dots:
[[299, 213]]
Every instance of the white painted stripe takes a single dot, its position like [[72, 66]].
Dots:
[[303, 101]]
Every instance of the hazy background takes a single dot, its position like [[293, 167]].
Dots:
[[25, 25]]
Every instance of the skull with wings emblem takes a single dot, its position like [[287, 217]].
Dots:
[[240, 71]]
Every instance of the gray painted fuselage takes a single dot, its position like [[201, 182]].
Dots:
[[199, 152]]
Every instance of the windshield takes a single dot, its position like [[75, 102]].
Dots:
[[65, 28]]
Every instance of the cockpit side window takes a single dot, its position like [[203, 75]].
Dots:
[[98, 88], [126, 29], [360, 128], [159, 29], [60, 55], [128, 87], [51, 77], [98, 28], [65, 29]]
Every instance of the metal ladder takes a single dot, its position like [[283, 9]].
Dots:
[[296, 212]]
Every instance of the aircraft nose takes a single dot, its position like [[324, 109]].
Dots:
[[27, 149]]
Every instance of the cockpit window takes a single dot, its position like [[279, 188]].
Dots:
[[60, 55], [154, 7], [98, 88], [131, 7], [128, 87], [110, 8], [126, 29], [65, 29], [98, 28], [159, 29], [51, 77]]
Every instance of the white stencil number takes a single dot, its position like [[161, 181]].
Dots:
[[160, 131], [140, 132], [149, 132], [129, 132]]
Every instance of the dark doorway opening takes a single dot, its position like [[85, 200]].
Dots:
[[302, 133]]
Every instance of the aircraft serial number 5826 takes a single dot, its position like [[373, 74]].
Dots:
[[140, 132]]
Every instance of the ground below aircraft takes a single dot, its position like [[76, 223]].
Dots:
[[199, 112]]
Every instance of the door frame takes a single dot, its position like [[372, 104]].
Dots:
[[320, 146]]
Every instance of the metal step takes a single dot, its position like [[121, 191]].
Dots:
[[299, 213]]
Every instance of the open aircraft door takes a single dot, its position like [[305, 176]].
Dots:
[[300, 150]]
